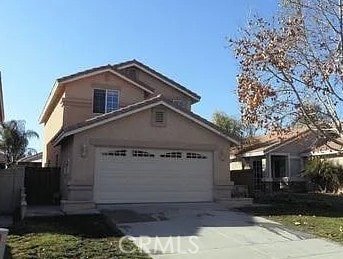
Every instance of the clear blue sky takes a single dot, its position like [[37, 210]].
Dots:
[[183, 39]]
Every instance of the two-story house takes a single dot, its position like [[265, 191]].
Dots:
[[125, 133]]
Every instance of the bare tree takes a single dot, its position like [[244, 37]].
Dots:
[[291, 67]]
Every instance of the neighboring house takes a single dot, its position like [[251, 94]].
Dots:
[[331, 151], [125, 133], [274, 158], [31, 160]]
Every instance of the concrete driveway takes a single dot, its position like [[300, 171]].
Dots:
[[211, 231]]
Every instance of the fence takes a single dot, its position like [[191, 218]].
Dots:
[[42, 185], [243, 177], [11, 184]]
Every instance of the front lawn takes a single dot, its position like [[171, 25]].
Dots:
[[317, 214], [87, 236]]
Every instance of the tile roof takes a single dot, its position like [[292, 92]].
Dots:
[[135, 62], [122, 111], [116, 68], [31, 158], [323, 146], [269, 141], [100, 68]]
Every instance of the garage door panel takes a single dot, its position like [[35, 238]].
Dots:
[[148, 186], [156, 183], [124, 197], [122, 177]]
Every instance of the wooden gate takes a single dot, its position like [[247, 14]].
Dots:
[[42, 185]]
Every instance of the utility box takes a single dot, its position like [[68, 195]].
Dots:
[[3, 237]]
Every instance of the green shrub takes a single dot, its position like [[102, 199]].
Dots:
[[326, 174]]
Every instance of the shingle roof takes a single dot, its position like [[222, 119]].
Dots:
[[139, 64], [67, 131]]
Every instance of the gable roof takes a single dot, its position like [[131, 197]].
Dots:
[[264, 144], [56, 92], [137, 107], [159, 76], [324, 147], [31, 158], [116, 69]]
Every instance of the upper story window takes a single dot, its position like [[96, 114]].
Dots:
[[105, 100]]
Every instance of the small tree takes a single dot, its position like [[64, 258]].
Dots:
[[227, 123], [14, 140], [327, 175], [291, 68], [232, 125]]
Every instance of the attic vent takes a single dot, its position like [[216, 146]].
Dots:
[[159, 116]]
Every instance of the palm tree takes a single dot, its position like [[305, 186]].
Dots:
[[14, 140]]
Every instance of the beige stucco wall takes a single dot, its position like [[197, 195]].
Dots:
[[76, 104], [136, 131], [51, 127], [78, 100]]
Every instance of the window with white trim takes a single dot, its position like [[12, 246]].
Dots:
[[105, 100]]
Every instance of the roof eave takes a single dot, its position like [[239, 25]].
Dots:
[[60, 136], [43, 117], [196, 98], [44, 114], [253, 154]]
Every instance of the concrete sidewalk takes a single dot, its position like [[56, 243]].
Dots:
[[210, 231]]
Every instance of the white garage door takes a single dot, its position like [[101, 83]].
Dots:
[[125, 175]]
